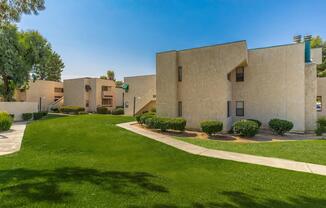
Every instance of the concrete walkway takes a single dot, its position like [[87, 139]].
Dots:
[[239, 157], [10, 141]]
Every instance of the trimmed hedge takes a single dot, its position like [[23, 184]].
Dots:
[[118, 111], [72, 109], [280, 126], [154, 122], [27, 116], [38, 115], [5, 121], [321, 126], [254, 120], [246, 128], [211, 127], [102, 110]]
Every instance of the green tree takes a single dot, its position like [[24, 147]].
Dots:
[[11, 10], [103, 77], [110, 75], [317, 42], [46, 64], [118, 83], [14, 70]]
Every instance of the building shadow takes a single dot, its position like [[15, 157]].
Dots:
[[31, 186]]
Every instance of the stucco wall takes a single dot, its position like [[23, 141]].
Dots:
[[141, 87], [310, 96], [204, 89], [274, 85], [119, 93], [316, 55], [41, 89], [321, 91], [74, 92], [18, 108]]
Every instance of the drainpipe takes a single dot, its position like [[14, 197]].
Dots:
[[307, 51]]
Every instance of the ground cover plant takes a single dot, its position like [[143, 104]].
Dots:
[[87, 161]]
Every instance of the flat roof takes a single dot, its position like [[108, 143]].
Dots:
[[207, 46]]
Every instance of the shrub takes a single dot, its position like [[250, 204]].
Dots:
[[254, 120], [211, 127], [144, 116], [44, 113], [102, 110], [153, 110], [12, 116], [5, 121], [162, 123], [177, 124], [118, 111], [246, 128], [138, 118], [71, 109], [279, 126], [37, 115], [321, 126], [55, 109], [27, 116]]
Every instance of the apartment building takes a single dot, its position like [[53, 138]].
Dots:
[[140, 94], [90, 93], [44, 92], [228, 82]]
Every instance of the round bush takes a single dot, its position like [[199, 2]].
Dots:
[[178, 124], [144, 116], [27, 116], [254, 120], [280, 126], [118, 111], [245, 128], [5, 121], [211, 127], [38, 115], [102, 110]]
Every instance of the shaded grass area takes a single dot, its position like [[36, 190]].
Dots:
[[87, 161], [312, 151]]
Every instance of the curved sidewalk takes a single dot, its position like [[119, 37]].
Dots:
[[239, 157], [10, 141]]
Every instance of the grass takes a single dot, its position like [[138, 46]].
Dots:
[[86, 161], [312, 151]]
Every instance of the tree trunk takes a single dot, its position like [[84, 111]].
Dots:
[[6, 93]]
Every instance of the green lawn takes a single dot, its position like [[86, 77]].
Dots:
[[86, 161], [313, 151]]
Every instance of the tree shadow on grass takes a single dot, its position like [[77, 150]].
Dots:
[[243, 200], [29, 186]]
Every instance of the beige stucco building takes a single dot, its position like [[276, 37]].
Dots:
[[43, 92], [140, 95], [228, 82], [90, 93]]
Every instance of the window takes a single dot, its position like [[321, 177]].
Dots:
[[87, 88], [180, 109], [126, 104], [58, 89], [240, 108], [87, 103], [319, 104], [240, 74], [229, 108], [56, 98], [107, 101], [154, 96], [106, 88], [180, 73]]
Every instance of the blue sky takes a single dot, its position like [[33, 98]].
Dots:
[[93, 36]]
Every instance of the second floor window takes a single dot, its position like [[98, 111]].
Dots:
[[240, 74], [58, 89], [180, 73], [106, 88]]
